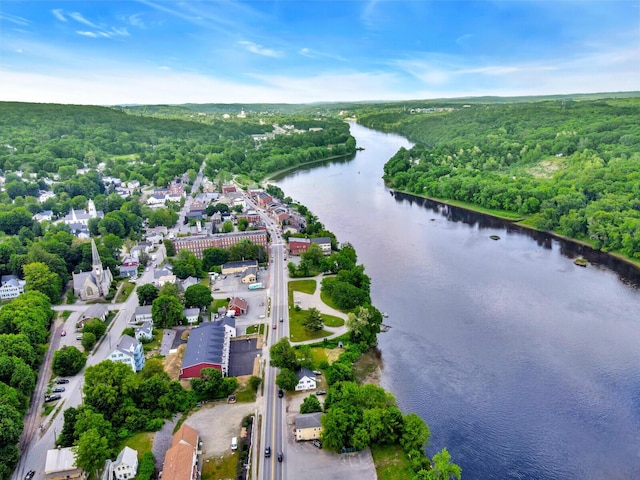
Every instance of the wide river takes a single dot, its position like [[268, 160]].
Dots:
[[524, 365]]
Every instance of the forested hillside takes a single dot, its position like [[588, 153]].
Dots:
[[572, 167]]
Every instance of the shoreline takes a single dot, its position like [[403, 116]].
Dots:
[[518, 222]]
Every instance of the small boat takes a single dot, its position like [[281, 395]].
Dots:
[[385, 314]]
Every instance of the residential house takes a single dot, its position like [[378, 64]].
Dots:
[[142, 314], [250, 275], [181, 460], [144, 331], [98, 310], [133, 184], [60, 464], [128, 351], [308, 426], [156, 199], [11, 287], [192, 315], [298, 246], [189, 281], [45, 215], [238, 305], [163, 275], [208, 347], [306, 380], [126, 465]]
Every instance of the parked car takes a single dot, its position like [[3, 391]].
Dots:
[[62, 381], [267, 452], [58, 389], [30, 474], [317, 372], [52, 398], [317, 443], [280, 456], [321, 392], [79, 337]]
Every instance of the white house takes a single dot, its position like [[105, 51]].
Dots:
[[306, 380], [192, 315], [11, 287], [144, 331], [126, 465], [128, 351], [143, 314]]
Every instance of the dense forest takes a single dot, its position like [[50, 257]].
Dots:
[[571, 167]]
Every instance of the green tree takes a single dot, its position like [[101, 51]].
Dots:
[[147, 293], [213, 257], [415, 434], [88, 340], [442, 468], [95, 326], [339, 372], [39, 278], [283, 356], [68, 361], [146, 469], [91, 451], [287, 379], [10, 425], [364, 324], [227, 227], [243, 223], [108, 388], [167, 311], [313, 321], [198, 295], [212, 384], [310, 404], [169, 247], [254, 382]]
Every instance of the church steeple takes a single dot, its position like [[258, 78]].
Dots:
[[96, 263], [91, 209]]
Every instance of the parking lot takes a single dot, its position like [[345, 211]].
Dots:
[[311, 463], [256, 299]]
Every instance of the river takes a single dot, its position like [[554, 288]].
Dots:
[[524, 365]]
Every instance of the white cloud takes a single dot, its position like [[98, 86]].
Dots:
[[80, 19], [59, 15], [87, 34], [14, 19], [260, 50]]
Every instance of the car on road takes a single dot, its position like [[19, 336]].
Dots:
[[30, 474], [52, 398], [267, 452], [63, 333], [321, 392], [280, 456], [62, 380], [58, 389], [275, 325], [280, 393], [281, 319]]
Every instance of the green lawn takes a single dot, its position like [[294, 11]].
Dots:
[[297, 330], [257, 328], [65, 314], [327, 299], [141, 442], [215, 468], [125, 291], [304, 286], [391, 463], [331, 321]]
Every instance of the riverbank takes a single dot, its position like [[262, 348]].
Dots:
[[520, 221], [278, 173]]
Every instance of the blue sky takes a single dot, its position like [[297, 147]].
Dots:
[[161, 51]]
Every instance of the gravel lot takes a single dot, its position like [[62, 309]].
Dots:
[[217, 423]]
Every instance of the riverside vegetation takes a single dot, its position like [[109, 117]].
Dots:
[[566, 166]]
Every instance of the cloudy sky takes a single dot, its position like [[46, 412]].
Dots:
[[296, 51]]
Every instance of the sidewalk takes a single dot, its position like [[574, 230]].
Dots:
[[306, 301]]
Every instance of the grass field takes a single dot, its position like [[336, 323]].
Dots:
[[215, 468], [141, 442], [391, 463], [331, 321], [125, 291], [304, 286]]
